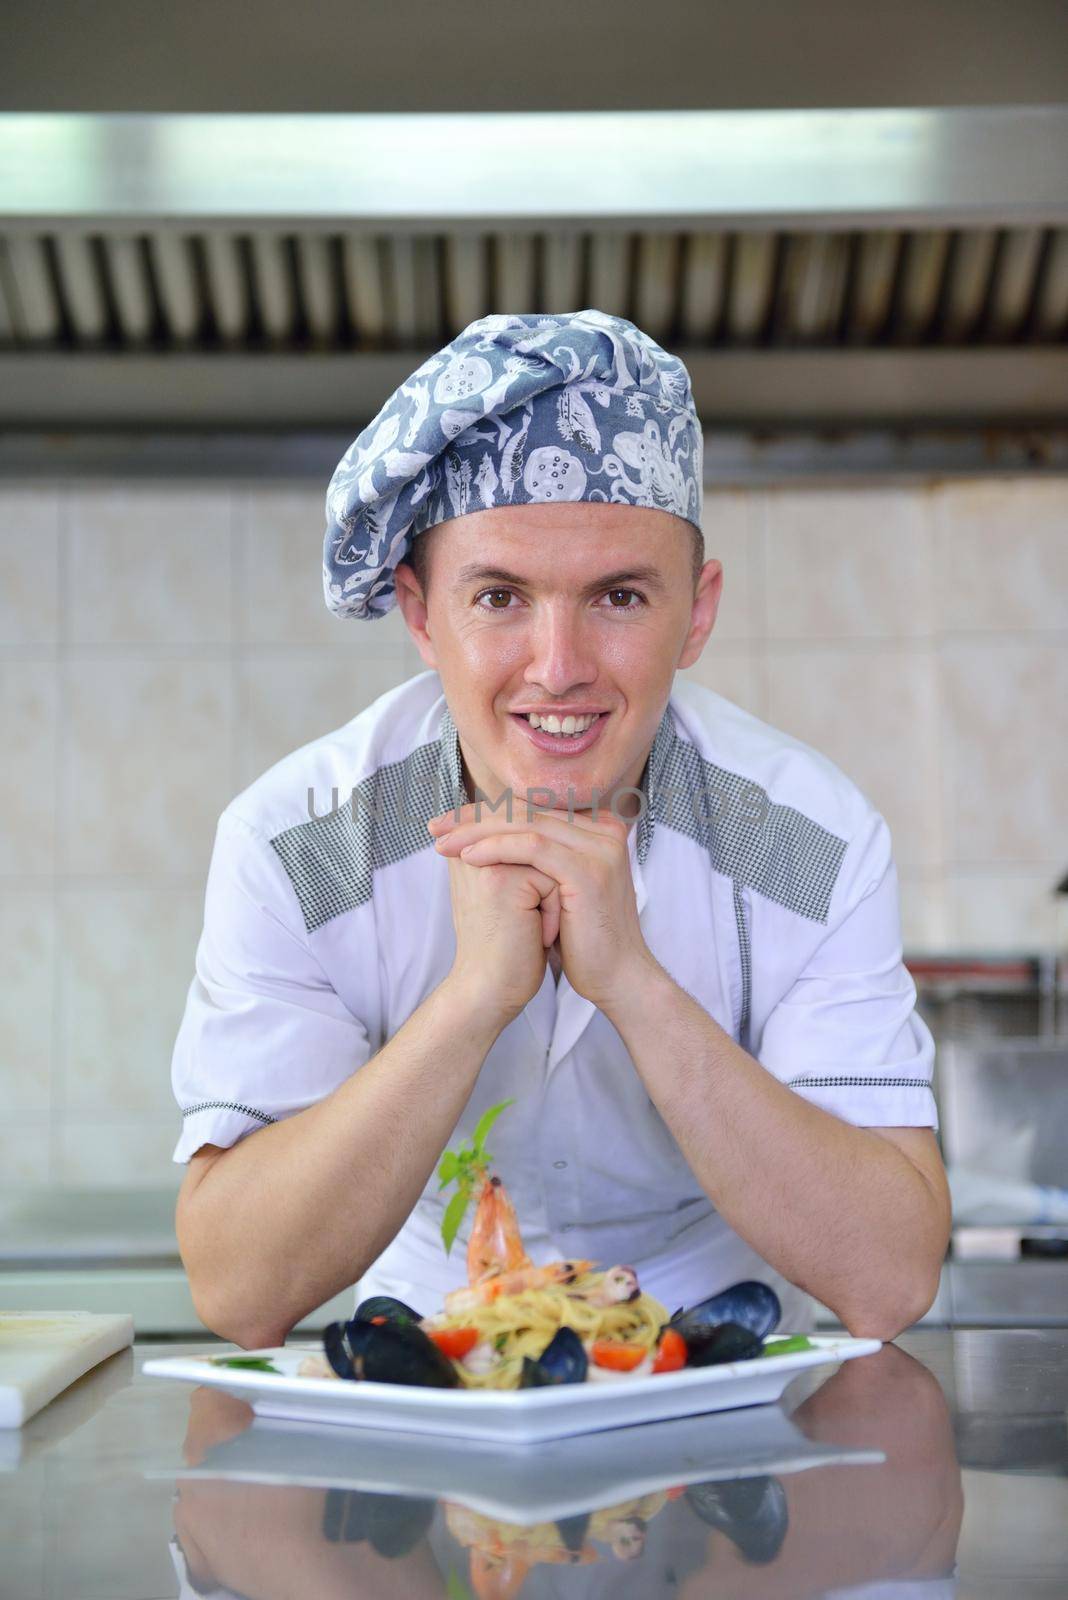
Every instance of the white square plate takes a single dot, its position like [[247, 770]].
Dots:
[[517, 1416], [522, 1485]]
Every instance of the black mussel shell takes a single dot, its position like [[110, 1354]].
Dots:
[[397, 1522], [564, 1360], [564, 1357], [752, 1512], [334, 1508], [573, 1530], [392, 1524], [532, 1375], [752, 1305], [344, 1344], [384, 1305], [710, 1347], [400, 1352], [337, 1351]]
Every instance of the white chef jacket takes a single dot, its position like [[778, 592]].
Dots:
[[765, 886]]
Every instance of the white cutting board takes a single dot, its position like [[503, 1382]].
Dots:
[[42, 1352]]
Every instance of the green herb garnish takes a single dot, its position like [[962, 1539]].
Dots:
[[787, 1347], [246, 1363], [455, 1587], [465, 1167]]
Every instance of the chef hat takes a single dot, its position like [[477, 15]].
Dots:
[[515, 410]]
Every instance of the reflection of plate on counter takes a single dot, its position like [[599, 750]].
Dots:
[[518, 1416], [531, 1484]]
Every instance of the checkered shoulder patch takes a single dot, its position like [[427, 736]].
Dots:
[[331, 859], [772, 849]]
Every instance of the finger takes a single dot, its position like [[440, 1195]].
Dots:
[[534, 849], [606, 822], [550, 917], [603, 841], [544, 886]]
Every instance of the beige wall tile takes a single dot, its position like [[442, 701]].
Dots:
[[1006, 751], [148, 564], [29, 563], [870, 711], [146, 764], [732, 672], [732, 523], [29, 699], [1001, 554], [25, 1159], [1003, 910], [121, 1153], [846, 563], [288, 700], [127, 959], [27, 1011], [280, 591]]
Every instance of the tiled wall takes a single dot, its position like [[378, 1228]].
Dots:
[[161, 644]]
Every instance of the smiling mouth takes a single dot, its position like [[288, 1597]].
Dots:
[[557, 727], [566, 745]]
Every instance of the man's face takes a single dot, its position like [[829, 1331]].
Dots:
[[565, 608]]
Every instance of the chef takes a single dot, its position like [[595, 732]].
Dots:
[[545, 870]]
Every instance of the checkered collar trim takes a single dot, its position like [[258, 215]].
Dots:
[[453, 791]]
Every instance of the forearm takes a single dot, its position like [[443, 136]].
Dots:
[[835, 1208], [297, 1211]]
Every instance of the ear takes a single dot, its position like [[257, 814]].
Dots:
[[703, 615], [414, 610]]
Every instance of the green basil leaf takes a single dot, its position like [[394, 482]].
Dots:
[[454, 1215], [246, 1363], [455, 1587], [449, 1167], [485, 1123], [787, 1346]]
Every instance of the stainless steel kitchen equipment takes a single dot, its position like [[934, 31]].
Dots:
[[1001, 1027]]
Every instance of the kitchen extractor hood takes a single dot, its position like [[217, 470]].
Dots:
[[831, 267]]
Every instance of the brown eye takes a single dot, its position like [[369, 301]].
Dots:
[[624, 591], [490, 593]]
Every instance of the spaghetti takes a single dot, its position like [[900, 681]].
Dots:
[[514, 1326]]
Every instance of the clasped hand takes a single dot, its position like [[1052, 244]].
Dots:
[[576, 888]]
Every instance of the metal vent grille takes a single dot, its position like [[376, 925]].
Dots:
[[224, 288]]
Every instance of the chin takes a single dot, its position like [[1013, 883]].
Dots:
[[583, 798]]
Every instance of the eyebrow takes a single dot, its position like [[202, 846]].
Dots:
[[473, 573]]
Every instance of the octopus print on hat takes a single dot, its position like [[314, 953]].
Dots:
[[515, 410]]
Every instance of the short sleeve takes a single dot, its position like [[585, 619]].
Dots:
[[847, 1035], [264, 1034]]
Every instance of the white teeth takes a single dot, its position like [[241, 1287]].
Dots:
[[569, 725]]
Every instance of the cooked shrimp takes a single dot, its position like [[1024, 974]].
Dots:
[[502, 1552], [517, 1282], [495, 1245], [497, 1575], [620, 1284]]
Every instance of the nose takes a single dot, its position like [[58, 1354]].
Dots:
[[562, 650]]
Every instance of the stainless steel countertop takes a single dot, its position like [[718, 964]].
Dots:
[[954, 1482]]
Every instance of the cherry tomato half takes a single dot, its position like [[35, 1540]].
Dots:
[[454, 1342], [671, 1356], [619, 1357]]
